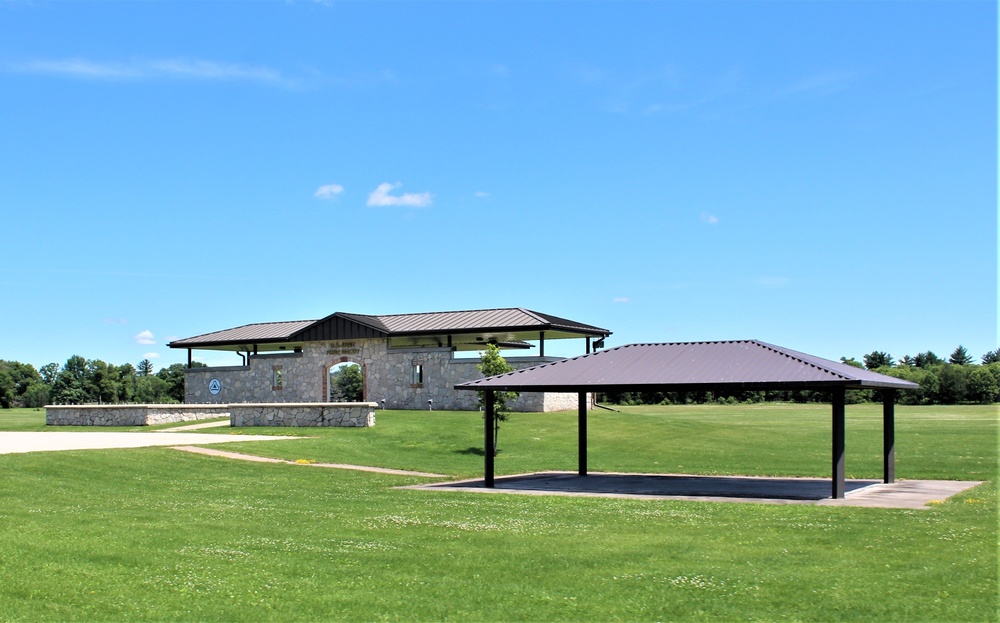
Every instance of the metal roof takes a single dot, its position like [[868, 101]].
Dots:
[[246, 334], [681, 366], [475, 321], [508, 325]]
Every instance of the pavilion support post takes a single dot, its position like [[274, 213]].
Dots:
[[582, 432], [839, 400], [190, 358], [488, 416], [541, 343], [889, 435]]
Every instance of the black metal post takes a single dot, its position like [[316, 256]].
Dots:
[[582, 433], [189, 358], [588, 345], [488, 439], [541, 343], [838, 442], [888, 435]]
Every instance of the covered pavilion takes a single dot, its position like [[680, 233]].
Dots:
[[744, 365]]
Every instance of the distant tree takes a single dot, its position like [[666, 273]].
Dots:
[[960, 356], [103, 381], [6, 388], [126, 382], [151, 389], [992, 357], [49, 373], [492, 363], [878, 359], [852, 362], [348, 383], [926, 378], [15, 380], [982, 386], [174, 377], [69, 386], [144, 368], [925, 360], [906, 361], [954, 384], [37, 395]]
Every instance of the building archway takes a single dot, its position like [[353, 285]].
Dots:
[[344, 381]]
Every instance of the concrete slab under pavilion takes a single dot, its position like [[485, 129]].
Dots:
[[910, 494]]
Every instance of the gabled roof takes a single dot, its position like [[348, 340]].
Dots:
[[509, 325], [514, 319], [742, 364]]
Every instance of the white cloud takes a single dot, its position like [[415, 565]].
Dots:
[[711, 219], [481, 194], [151, 356], [162, 68], [115, 321], [380, 197], [621, 299], [144, 337], [328, 191]]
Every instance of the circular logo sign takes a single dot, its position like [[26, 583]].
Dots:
[[215, 386]]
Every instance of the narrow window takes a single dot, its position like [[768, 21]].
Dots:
[[418, 374], [278, 378]]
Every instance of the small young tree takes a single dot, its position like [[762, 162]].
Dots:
[[492, 363]]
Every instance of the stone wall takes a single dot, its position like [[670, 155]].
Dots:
[[350, 414], [388, 378], [129, 415]]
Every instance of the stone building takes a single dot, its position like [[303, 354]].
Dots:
[[408, 361]]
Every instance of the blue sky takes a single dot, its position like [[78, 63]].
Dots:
[[819, 175]]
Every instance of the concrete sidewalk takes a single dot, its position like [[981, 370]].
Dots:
[[19, 442]]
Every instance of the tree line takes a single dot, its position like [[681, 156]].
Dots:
[[956, 380], [89, 381]]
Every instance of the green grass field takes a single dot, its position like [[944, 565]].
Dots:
[[157, 534]]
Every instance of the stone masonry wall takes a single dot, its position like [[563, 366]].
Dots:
[[388, 378], [350, 414], [128, 415]]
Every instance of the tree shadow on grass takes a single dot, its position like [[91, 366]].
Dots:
[[470, 450]]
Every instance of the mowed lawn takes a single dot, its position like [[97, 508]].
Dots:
[[157, 534]]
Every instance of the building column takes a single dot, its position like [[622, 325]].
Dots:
[[888, 435], [488, 416], [582, 433], [839, 400]]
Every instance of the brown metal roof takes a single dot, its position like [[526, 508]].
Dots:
[[743, 364], [513, 319], [261, 332], [508, 325]]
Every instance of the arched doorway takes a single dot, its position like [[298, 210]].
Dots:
[[345, 382]]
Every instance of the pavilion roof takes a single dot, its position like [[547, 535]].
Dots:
[[684, 366]]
